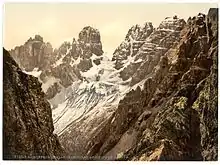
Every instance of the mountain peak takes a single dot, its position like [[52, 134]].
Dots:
[[37, 37], [90, 39], [172, 23]]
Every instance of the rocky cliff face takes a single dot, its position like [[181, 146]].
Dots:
[[59, 68], [134, 39], [35, 53], [142, 48], [174, 115], [27, 117], [72, 60]]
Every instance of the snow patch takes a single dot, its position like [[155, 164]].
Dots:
[[167, 30], [49, 82], [59, 61], [75, 62], [34, 72], [138, 61]]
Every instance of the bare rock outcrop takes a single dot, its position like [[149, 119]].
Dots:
[[35, 53], [27, 117]]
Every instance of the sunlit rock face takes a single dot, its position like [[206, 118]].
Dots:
[[143, 52], [35, 53], [134, 39]]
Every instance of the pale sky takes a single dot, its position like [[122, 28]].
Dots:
[[58, 22]]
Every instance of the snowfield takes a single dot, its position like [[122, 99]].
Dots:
[[102, 87]]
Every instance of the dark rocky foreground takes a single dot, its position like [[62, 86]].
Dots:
[[27, 117]]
